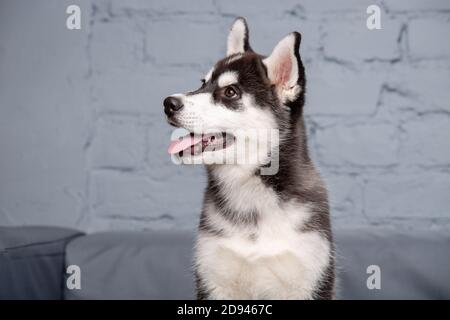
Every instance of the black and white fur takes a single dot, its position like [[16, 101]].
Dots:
[[260, 236]]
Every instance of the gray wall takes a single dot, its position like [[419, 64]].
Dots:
[[83, 139]]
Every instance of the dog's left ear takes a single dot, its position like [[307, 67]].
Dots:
[[238, 37], [284, 68]]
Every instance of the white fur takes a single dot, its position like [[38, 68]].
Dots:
[[272, 260], [227, 78], [208, 75], [236, 38], [233, 58]]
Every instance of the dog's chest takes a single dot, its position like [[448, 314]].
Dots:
[[272, 260]]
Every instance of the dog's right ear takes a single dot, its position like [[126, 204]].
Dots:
[[238, 37]]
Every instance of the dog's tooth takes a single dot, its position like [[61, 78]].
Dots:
[[198, 148]]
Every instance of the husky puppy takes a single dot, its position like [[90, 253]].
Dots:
[[260, 236]]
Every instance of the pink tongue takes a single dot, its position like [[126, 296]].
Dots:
[[185, 142]]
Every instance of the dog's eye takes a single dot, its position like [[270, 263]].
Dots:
[[230, 92]]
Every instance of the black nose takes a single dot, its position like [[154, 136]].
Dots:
[[172, 105]]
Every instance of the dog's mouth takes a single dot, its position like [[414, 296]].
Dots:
[[195, 144]]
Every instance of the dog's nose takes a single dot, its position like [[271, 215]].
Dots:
[[172, 105]]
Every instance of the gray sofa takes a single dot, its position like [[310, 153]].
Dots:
[[157, 265]]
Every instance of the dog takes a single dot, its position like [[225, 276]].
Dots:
[[260, 236]]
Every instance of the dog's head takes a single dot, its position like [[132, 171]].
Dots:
[[242, 94]]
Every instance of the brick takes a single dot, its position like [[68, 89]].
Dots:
[[393, 103], [253, 8], [351, 40], [426, 141], [276, 9], [333, 89], [163, 7], [122, 195], [428, 39], [186, 41], [118, 143], [331, 6], [427, 88], [360, 145], [417, 5], [264, 39], [417, 195], [128, 195], [116, 44], [345, 195], [141, 91]]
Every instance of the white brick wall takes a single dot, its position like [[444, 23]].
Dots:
[[119, 143], [362, 144], [351, 41], [425, 140], [83, 135], [427, 38], [422, 196], [336, 90]]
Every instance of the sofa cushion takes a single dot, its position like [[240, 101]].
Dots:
[[132, 265], [32, 261], [157, 265], [413, 264]]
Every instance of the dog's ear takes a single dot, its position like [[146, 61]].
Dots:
[[284, 68], [238, 37]]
